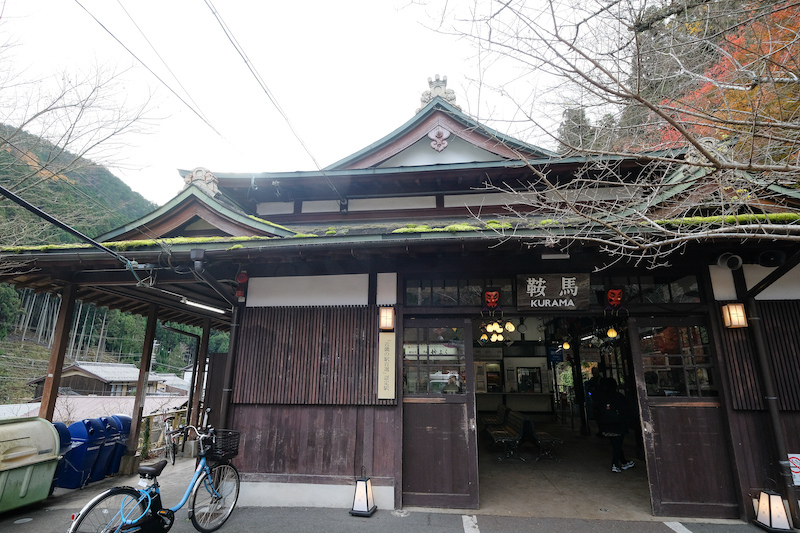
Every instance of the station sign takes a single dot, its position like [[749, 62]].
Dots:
[[553, 292]]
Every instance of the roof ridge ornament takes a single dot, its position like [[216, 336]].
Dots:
[[203, 179], [438, 87], [714, 146]]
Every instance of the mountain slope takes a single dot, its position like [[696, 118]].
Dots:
[[74, 190]]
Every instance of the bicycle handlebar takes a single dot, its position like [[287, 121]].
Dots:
[[209, 432]]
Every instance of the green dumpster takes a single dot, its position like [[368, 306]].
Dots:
[[29, 450]]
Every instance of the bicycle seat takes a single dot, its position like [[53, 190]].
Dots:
[[152, 470]]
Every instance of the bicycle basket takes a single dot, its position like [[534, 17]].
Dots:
[[225, 445]]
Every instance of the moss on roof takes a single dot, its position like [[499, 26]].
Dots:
[[424, 228], [773, 218], [267, 222], [132, 245]]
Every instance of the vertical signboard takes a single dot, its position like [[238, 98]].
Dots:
[[386, 366]]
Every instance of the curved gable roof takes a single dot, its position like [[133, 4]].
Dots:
[[194, 207], [440, 114]]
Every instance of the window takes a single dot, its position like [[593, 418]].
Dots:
[[456, 292], [434, 361], [677, 361], [660, 289]]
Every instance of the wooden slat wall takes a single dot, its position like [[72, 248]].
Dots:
[[745, 387], [781, 319], [782, 324], [753, 454], [316, 443], [308, 356]]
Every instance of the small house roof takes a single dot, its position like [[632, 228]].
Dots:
[[106, 372], [171, 380]]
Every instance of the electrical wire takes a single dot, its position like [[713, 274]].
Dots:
[[240, 50], [162, 59], [193, 110], [69, 229]]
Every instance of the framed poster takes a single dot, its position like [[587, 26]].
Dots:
[[480, 377], [511, 380], [529, 379]]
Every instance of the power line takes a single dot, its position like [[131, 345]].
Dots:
[[263, 85], [193, 110], [161, 58]]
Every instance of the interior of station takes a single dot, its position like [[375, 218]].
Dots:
[[540, 366], [544, 372]]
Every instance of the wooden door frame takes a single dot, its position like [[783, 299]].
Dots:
[[645, 414], [469, 400]]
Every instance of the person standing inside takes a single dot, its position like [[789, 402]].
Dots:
[[592, 389], [612, 409]]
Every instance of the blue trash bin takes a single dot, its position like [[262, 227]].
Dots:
[[87, 440], [65, 441], [102, 467], [124, 427]]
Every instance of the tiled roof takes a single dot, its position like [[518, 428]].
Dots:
[[171, 380], [113, 372], [69, 409]]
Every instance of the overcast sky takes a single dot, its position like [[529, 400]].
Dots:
[[345, 73]]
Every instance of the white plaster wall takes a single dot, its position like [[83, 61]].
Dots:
[[722, 283], [421, 153], [271, 494], [321, 206], [786, 288], [476, 200], [298, 291], [387, 288], [275, 208], [384, 204]]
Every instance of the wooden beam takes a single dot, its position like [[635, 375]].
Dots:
[[60, 341], [199, 372], [141, 384]]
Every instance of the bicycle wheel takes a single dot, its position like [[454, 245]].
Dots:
[[214, 498], [106, 512]]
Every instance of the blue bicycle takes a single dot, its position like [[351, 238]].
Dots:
[[214, 490]]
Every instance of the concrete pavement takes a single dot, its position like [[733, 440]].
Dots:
[[53, 516], [41, 519]]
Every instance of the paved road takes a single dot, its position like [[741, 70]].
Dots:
[[53, 516], [44, 519]]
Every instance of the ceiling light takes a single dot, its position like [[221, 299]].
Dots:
[[203, 306]]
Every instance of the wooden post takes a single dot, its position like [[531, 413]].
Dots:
[[129, 464], [198, 372], [61, 336], [227, 382]]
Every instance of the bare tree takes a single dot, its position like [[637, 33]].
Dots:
[[704, 94], [49, 130]]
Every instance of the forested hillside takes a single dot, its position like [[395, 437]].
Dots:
[[76, 191], [92, 200]]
